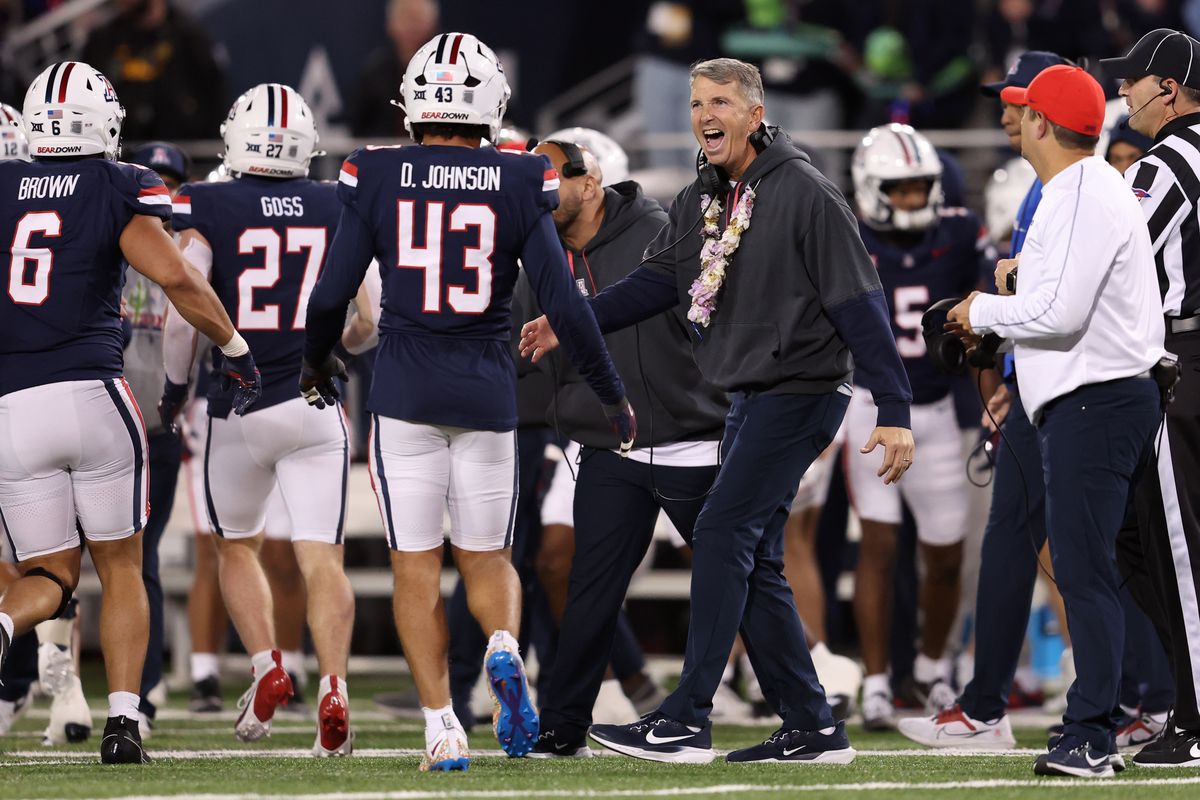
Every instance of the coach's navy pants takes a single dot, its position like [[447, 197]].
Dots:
[[1015, 532], [1093, 442], [737, 563], [616, 508]]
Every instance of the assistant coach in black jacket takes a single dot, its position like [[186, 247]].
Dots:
[[674, 460], [798, 296]]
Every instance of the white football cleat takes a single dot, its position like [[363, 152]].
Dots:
[[446, 747], [70, 717], [612, 706], [878, 712], [951, 727], [268, 691], [841, 677], [13, 710], [334, 736]]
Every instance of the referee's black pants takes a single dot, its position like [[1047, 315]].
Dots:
[[616, 508], [1160, 555], [1093, 441]]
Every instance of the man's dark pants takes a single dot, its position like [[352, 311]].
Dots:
[[1015, 533], [1093, 440], [1159, 554], [737, 564], [166, 452], [616, 507]]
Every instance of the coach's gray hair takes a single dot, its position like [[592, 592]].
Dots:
[[730, 70]]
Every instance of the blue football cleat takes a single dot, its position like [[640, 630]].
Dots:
[[514, 718]]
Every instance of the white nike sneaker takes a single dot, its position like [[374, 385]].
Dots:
[[1141, 729], [612, 706], [951, 727], [878, 713], [445, 747], [70, 717]]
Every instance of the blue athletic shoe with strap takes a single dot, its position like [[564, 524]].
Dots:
[[657, 737], [514, 719]]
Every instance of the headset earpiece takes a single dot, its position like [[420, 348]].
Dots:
[[714, 181], [1166, 90]]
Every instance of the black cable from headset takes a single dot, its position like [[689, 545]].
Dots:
[[1037, 551]]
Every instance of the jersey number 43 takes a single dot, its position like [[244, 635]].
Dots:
[[461, 299]]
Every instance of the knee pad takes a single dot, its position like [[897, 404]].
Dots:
[[67, 591]]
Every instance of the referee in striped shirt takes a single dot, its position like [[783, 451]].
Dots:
[[1160, 558]]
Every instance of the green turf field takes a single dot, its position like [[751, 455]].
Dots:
[[194, 757]]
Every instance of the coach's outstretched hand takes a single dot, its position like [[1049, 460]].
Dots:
[[240, 374], [316, 382], [174, 395], [537, 339], [898, 450], [624, 423]]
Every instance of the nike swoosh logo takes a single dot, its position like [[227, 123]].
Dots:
[[1195, 751], [1102, 760], [562, 746], [651, 738], [794, 750]]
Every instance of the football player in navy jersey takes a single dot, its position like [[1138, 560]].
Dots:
[[924, 252], [73, 449], [262, 239], [448, 220]]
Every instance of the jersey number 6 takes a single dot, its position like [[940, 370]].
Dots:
[[429, 258], [34, 293]]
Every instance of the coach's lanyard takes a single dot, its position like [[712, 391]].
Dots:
[[587, 268]]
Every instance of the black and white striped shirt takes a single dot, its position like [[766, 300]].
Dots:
[[1166, 181]]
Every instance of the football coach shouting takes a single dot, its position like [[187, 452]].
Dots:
[[1161, 559], [765, 254], [1087, 326]]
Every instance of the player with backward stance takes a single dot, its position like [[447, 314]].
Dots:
[[262, 238], [72, 441], [447, 220]]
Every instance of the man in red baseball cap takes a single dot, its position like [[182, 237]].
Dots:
[[1070, 100], [1086, 323]]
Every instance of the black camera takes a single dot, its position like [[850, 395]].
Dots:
[[1010, 281], [946, 350]]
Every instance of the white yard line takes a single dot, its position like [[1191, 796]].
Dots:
[[701, 791]]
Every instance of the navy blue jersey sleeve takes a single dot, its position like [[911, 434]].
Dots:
[[350, 254], [640, 295], [864, 324], [181, 209], [139, 191], [567, 311]]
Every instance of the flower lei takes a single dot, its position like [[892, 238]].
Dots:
[[716, 253]]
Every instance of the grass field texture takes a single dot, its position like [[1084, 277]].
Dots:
[[198, 757]]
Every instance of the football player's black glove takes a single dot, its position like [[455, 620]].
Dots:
[[316, 382], [624, 423], [240, 374]]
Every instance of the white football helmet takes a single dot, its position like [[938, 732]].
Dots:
[[888, 154], [614, 164], [270, 132], [13, 144], [72, 110], [455, 78], [1002, 198]]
